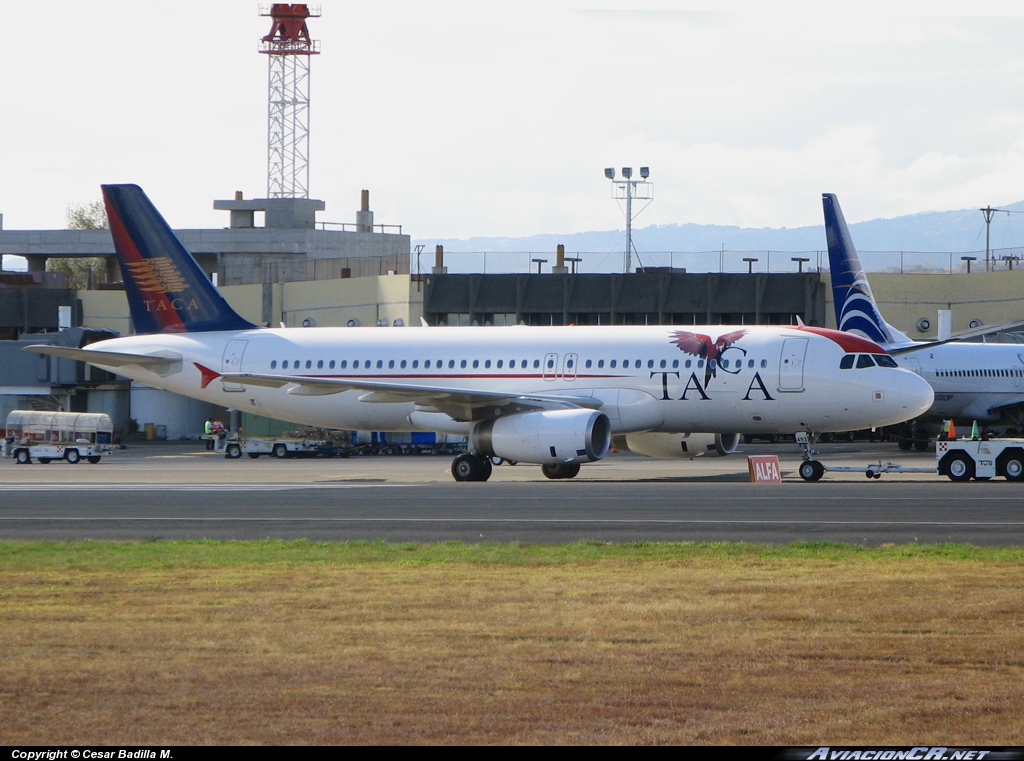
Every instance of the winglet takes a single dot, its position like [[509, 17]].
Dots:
[[208, 375], [167, 290]]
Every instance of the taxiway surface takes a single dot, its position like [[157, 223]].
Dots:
[[179, 491]]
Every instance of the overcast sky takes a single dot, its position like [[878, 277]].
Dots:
[[499, 119]]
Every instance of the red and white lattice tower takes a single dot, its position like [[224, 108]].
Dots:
[[288, 49]]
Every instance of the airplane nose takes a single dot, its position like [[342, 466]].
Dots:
[[909, 393]]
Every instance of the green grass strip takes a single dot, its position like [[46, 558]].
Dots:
[[91, 554]]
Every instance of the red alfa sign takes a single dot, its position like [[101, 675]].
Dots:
[[764, 469]]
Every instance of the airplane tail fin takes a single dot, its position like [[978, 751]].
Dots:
[[856, 310], [167, 290]]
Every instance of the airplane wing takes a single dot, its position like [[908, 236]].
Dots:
[[960, 335], [459, 403], [1006, 405], [108, 358], [984, 330]]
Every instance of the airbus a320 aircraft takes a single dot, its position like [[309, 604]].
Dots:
[[553, 396], [972, 381]]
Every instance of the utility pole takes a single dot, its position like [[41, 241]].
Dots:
[[988, 211]]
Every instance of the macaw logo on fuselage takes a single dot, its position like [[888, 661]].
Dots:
[[712, 353], [160, 276]]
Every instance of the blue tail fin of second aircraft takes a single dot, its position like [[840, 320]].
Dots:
[[856, 310], [167, 290]]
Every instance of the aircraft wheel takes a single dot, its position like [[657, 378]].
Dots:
[[44, 460], [558, 470], [72, 456], [280, 451], [469, 467], [1011, 465], [959, 467], [254, 455], [921, 445], [22, 457], [811, 470], [93, 459], [233, 451]]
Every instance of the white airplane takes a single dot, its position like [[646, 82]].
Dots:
[[972, 381], [553, 396]]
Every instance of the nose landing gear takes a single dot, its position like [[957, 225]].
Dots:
[[810, 469]]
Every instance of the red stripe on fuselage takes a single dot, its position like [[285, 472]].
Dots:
[[847, 341]]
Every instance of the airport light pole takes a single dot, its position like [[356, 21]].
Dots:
[[627, 189]]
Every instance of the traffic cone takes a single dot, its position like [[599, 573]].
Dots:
[[974, 430], [952, 430]]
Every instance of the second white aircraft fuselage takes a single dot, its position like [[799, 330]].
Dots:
[[971, 381]]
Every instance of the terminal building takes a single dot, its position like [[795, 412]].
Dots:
[[277, 265]]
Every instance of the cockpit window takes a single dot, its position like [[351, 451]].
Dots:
[[864, 360], [884, 360], [846, 362]]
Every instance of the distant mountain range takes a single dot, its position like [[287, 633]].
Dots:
[[947, 232]]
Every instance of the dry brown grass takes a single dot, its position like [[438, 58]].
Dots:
[[747, 650]]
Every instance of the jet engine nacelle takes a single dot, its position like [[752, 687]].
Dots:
[[682, 446], [547, 436]]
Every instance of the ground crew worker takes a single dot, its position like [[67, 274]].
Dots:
[[208, 432]]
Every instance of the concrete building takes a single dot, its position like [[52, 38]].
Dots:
[[289, 246]]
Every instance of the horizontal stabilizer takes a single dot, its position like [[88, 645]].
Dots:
[[106, 358]]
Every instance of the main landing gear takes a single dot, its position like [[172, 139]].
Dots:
[[560, 470], [471, 467]]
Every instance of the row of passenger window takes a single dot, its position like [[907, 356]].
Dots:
[[550, 364], [990, 373]]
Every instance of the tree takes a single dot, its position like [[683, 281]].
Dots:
[[86, 216], [83, 272]]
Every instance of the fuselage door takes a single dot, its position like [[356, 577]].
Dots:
[[915, 365], [550, 369], [233, 362], [791, 364], [569, 367]]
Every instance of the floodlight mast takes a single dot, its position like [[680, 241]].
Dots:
[[288, 48], [627, 189]]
